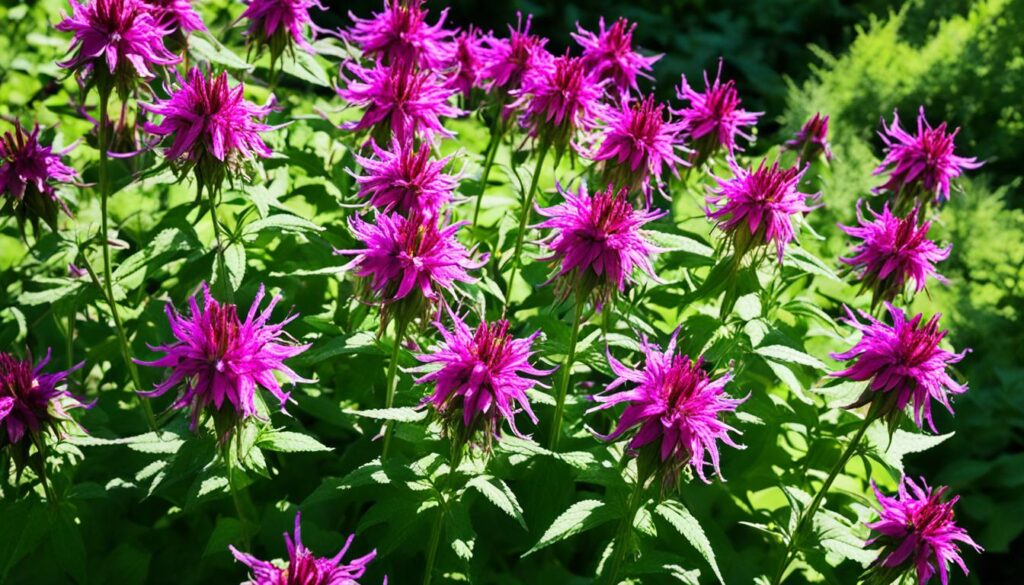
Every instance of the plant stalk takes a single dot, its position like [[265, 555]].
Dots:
[[524, 217], [563, 386], [622, 535], [435, 532], [489, 156], [400, 328]]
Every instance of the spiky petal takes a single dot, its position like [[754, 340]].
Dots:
[[714, 118], [610, 53], [279, 24], [305, 568], [560, 101], [177, 15], [509, 60], [217, 360], [400, 34], [32, 402], [482, 379], [468, 59], [28, 173], [917, 533], [904, 364], [676, 406], [597, 242], [812, 139]]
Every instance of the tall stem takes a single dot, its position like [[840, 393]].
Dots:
[[108, 283], [563, 386], [524, 216], [807, 517], [238, 496], [622, 535], [492, 151], [222, 267], [435, 532], [400, 326]]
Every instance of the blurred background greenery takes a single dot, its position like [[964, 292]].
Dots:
[[858, 61]]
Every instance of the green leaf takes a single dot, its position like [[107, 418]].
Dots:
[[50, 295], [580, 517], [289, 442], [463, 537], [305, 67], [234, 261], [687, 526], [892, 449], [677, 243], [361, 343], [404, 414], [748, 307], [281, 222], [209, 49], [803, 260], [789, 355], [498, 492], [228, 531]]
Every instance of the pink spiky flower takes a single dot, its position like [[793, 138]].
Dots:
[[468, 59], [904, 363], [482, 379], [405, 179], [677, 406], [559, 101], [28, 172], [115, 43], [714, 118], [305, 568], [509, 61], [218, 360], [812, 140], [400, 35], [638, 144], [213, 127], [893, 251], [917, 532], [598, 243], [280, 24], [409, 261], [32, 402], [177, 15], [400, 102], [920, 166], [754, 206], [611, 55]]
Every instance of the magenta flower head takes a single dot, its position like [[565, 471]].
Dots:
[[405, 179], [638, 145], [115, 43], [408, 261], [812, 140], [400, 35], [468, 59], [920, 166], [482, 379], [32, 403], [28, 173], [677, 406], [754, 206], [509, 61], [218, 360], [891, 252], [280, 25], [177, 15], [401, 102], [598, 243], [610, 54], [904, 364], [213, 127], [305, 568], [917, 533], [559, 101], [714, 118]]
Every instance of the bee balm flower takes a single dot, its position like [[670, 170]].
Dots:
[[278, 24], [922, 164], [305, 568], [218, 360], [676, 405], [812, 140], [598, 242], [32, 402], [904, 363], [917, 533], [400, 35], [482, 376], [509, 60], [468, 59], [893, 251], [714, 118], [610, 53], [28, 172], [177, 15], [405, 179]]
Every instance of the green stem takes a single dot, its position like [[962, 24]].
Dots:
[[400, 328], [237, 497], [622, 535], [807, 517], [222, 268], [108, 283], [51, 494], [435, 532], [492, 151], [524, 217], [563, 386]]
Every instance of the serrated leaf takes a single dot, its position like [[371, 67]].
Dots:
[[678, 243], [362, 342], [290, 442], [748, 307], [209, 49], [305, 67], [498, 492], [50, 295], [282, 222], [892, 450], [404, 414], [687, 526], [789, 355], [580, 517], [802, 259]]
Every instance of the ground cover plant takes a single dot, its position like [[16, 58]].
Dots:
[[441, 304]]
